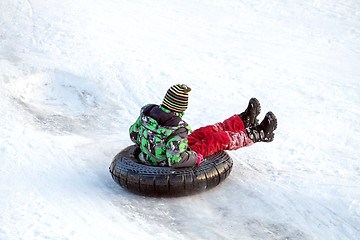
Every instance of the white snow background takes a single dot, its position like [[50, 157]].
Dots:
[[74, 75]]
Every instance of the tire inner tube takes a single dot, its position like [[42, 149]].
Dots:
[[127, 170]]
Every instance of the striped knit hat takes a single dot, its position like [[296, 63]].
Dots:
[[176, 98]]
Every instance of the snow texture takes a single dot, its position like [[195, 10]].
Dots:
[[74, 75]]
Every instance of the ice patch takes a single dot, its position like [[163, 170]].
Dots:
[[58, 101], [57, 92], [354, 208]]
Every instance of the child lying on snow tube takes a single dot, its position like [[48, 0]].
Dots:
[[163, 137]]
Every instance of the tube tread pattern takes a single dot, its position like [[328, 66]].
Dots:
[[129, 173]]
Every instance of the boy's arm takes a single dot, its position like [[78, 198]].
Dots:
[[134, 131], [177, 151]]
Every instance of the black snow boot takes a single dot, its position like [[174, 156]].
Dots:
[[252, 111], [264, 131]]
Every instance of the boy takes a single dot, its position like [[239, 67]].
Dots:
[[164, 139]]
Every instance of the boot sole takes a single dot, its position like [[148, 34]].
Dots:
[[272, 116], [257, 107]]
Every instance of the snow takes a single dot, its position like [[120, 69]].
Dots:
[[74, 75]]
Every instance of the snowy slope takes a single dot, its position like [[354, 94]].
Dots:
[[74, 75]]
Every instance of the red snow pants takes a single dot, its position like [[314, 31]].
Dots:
[[227, 135]]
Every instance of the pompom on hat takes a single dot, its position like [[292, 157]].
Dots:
[[176, 98]]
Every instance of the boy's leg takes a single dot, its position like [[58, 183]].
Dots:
[[232, 124], [220, 141], [239, 140], [211, 144], [200, 133]]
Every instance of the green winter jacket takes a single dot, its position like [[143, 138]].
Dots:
[[162, 137]]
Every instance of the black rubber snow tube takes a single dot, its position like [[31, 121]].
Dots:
[[129, 173]]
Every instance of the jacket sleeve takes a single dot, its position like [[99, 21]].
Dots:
[[177, 150], [134, 131]]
